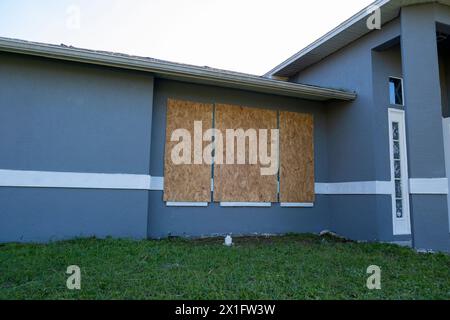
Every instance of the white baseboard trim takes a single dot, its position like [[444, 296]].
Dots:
[[428, 186]]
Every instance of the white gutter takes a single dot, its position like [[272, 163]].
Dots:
[[177, 71]]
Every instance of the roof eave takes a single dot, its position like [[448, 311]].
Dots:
[[363, 14], [176, 71]]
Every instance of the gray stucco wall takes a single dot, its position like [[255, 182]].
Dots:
[[385, 63], [42, 215], [424, 124], [354, 143], [364, 217], [61, 116], [358, 134], [165, 221], [214, 220], [422, 93]]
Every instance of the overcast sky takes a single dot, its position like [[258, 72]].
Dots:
[[250, 36]]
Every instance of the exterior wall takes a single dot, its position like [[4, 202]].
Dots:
[[78, 118], [351, 124], [385, 63], [424, 124], [214, 220], [47, 214], [370, 217], [358, 133], [68, 117]]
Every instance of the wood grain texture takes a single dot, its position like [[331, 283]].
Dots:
[[243, 182], [186, 183], [296, 158]]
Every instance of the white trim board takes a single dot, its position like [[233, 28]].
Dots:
[[355, 188], [157, 184], [43, 179], [76, 180], [428, 186]]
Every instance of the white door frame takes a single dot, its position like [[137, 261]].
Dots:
[[401, 225]]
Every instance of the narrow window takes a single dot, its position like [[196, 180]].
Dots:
[[396, 91], [399, 172]]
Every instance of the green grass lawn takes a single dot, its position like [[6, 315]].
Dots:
[[290, 267]]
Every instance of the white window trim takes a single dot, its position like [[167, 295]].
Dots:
[[403, 92], [187, 204], [400, 226], [296, 205], [246, 204]]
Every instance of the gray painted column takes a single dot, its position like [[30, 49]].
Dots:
[[426, 158]]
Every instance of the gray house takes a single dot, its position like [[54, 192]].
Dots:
[[364, 131]]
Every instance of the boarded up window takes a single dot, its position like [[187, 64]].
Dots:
[[297, 158], [243, 182], [186, 182]]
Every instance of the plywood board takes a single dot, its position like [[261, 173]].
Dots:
[[186, 182], [243, 182], [296, 158]]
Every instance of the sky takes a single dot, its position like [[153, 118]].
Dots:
[[251, 36]]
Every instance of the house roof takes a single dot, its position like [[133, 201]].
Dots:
[[341, 36], [176, 71]]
